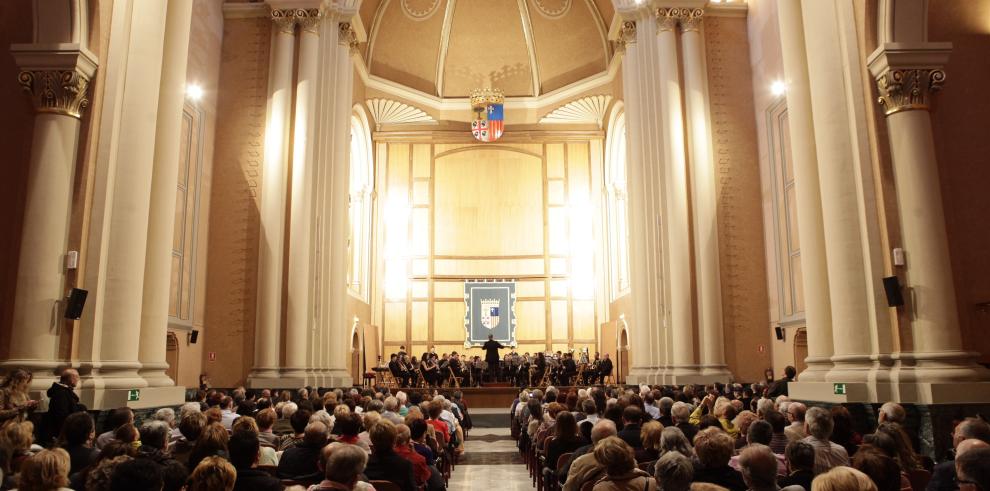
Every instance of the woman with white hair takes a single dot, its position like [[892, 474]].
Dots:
[[672, 439]]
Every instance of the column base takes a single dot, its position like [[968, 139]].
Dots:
[[916, 393], [851, 368], [112, 375], [277, 382], [155, 376], [338, 378], [817, 369], [264, 372], [939, 367], [640, 375], [720, 371], [100, 399]]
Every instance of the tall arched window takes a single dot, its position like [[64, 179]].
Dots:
[[361, 186], [617, 206]]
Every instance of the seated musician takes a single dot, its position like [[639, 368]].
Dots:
[[454, 363], [591, 373], [408, 368], [396, 368], [541, 368], [477, 368], [568, 369], [428, 368], [522, 371]]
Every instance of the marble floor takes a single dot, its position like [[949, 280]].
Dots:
[[491, 459]]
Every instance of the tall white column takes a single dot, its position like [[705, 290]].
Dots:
[[57, 83], [161, 221], [683, 361], [334, 100], [906, 76], [272, 209], [299, 312], [841, 213], [817, 303], [703, 192]]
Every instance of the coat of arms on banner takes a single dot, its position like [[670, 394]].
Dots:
[[489, 117], [489, 311]]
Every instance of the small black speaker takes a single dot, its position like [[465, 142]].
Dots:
[[75, 303], [892, 287], [779, 331], [193, 336]]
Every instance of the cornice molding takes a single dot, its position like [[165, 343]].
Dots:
[[387, 111], [591, 109]]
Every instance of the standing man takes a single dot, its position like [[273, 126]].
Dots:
[[604, 369], [491, 348], [62, 401]]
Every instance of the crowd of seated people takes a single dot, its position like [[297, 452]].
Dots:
[[606, 438], [237, 440]]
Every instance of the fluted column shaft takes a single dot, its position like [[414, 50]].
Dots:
[[59, 93], [299, 313], [704, 201], [683, 361], [161, 222], [272, 207], [841, 215], [817, 304]]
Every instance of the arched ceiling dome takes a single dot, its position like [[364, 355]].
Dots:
[[447, 48]]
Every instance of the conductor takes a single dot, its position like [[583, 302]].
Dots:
[[491, 348]]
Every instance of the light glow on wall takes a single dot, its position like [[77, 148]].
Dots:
[[194, 92], [778, 87], [582, 271], [396, 254]]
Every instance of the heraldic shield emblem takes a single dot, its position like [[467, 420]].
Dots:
[[488, 107], [489, 312]]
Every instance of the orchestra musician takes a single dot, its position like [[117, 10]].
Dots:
[[522, 371], [540, 366], [568, 369], [591, 373], [398, 371], [477, 369], [408, 366], [605, 369], [428, 367]]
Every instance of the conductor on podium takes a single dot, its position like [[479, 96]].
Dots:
[[491, 348]]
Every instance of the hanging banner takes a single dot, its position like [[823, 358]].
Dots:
[[490, 309]]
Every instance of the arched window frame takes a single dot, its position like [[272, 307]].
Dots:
[[360, 206], [616, 193]]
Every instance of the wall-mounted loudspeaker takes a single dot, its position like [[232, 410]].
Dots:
[[779, 331], [75, 303], [193, 336], [892, 287]]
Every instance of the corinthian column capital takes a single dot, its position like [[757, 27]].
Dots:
[[56, 91], [284, 20], [907, 89], [627, 35], [690, 19], [308, 20], [667, 18], [347, 36]]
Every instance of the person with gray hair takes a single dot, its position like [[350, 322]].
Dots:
[[166, 415], [944, 475], [343, 467], [891, 412], [818, 424], [680, 414], [665, 404], [391, 410], [584, 467], [673, 471], [764, 406], [758, 466], [282, 425], [796, 414], [672, 439]]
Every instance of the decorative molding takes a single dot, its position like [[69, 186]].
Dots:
[[527, 26], [245, 10], [448, 18], [420, 14], [284, 21], [908, 89], [346, 35], [627, 35], [308, 20], [552, 12], [56, 91], [591, 109], [667, 18], [690, 19], [387, 111]]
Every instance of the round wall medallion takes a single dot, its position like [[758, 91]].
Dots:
[[420, 9], [553, 9]]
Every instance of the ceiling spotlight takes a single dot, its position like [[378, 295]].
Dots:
[[778, 87], [194, 92]]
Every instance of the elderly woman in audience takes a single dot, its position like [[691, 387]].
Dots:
[[650, 435], [843, 478], [742, 422], [212, 474], [16, 439], [758, 466], [714, 448], [673, 471], [621, 474], [672, 439], [47, 470]]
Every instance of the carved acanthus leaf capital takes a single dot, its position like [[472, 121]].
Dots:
[[308, 20], [56, 91], [907, 89], [690, 19], [667, 18], [347, 36], [627, 35], [284, 20]]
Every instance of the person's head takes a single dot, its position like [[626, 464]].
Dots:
[[714, 447], [243, 448], [672, 439], [265, 419], [971, 444], [315, 434], [214, 436], [970, 428], [69, 377], [382, 436], [674, 472], [78, 429], [345, 464], [759, 432], [245, 423], [166, 415], [680, 412], [800, 456], [155, 433], [212, 474], [18, 380], [45, 471], [883, 470], [904, 455], [119, 417], [818, 421], [136, 474], [566, 425], [843, 478], [588, 407], [776, 419], [632, 415], [891, 412], [615, 455], [650, 434], [192, 426], [187, 409], [790, 372], [127, 433], [603, 429], [973, 469], [797, 412], [758, 466]]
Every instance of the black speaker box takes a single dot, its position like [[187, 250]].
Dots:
[[779, 331], [193, 336], [75, 303], [892, 287]]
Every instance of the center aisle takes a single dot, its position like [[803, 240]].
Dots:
[[491, 459]]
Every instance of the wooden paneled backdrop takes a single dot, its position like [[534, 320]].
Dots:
[[528, 212]]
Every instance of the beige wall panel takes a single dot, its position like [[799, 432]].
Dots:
[[448, 289], [420, 267], [488, 267], [448, 321], [421, 160], [563, 347], [395, 322], [578, 172], [417, 350], [555, 160], [558, 288], [440, 148], [420, 232], [420, 321], [558, 319], [584, 319], [558, 265], [531, 320], [558, 230], [485, 204], [421, 192], [556, 192], [530, 288], [420, 289], [449, 347], [398, 172], [531, 348]]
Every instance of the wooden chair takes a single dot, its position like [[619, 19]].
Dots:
[[453, 378], [545, 381], [384, 485], [554, 483], [579, 378], [389, 380], [420, 379]]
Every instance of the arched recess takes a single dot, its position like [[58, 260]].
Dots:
[[616, 202], [356, 351], [362, 182], [622, 364], [172, 355], [800, 349]]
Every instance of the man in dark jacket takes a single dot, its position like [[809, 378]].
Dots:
[[243, 448], [385, 464], [491, 348], [299, 463], [779, 388], [632, 417], [62, 401]]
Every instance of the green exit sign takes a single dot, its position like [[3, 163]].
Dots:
[[135, 394], [839, 389]]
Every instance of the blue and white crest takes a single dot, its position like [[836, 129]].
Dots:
[[489, 312]]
